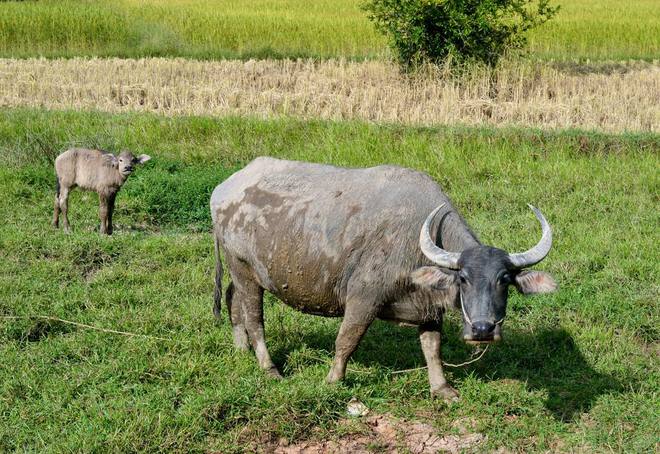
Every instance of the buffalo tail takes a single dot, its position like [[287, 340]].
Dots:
[[217, 292]]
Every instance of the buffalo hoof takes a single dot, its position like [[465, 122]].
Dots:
[[446, 393], [274, 373], [333, 377]]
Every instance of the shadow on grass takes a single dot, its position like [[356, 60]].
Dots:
[[547, 359]]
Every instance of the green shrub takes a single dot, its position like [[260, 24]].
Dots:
[[430, 31], [173, 194]]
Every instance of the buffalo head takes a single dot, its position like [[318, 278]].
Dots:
[[483, 275]]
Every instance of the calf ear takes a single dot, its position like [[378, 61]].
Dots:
[[143, 158], [530, 282], [432, 276]]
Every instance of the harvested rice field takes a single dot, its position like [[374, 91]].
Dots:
[[611, 97]]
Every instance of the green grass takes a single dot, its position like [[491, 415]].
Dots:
[[211, 29], [208, 29], [577, 370], [600, 30]]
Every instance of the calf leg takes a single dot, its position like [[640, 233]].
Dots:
[[103, 212], [429, 337], [111, 209], [56, 208], [64, 207], [56, 212], [249, 296], [357, 318]]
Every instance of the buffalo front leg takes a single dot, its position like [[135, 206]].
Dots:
[[429, 337], [357, 319]]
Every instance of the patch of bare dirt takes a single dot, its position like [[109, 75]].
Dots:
[[387, 434]]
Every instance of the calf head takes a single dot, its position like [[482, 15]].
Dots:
[[483, 275], [126, 162]]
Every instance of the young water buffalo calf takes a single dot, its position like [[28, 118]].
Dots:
[[92, 170]]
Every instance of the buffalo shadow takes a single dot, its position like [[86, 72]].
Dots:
[[547, 359]]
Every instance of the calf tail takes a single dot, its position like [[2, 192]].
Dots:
[[57, 186], [217, 292]]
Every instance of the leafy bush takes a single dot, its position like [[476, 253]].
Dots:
[[430, 31]]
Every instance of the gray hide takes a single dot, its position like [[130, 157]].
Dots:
[[92, 170], [346, 242]]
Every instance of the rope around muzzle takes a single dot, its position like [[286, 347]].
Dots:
[[483, 352], [467, 317]]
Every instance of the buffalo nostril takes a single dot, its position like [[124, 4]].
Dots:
[[483, 329]]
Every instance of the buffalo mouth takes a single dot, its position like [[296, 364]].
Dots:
[[481, 335]]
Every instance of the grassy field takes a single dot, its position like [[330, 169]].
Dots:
[[578, 369], [610, 97], [211, 29]]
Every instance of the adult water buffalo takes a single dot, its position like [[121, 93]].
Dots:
[[334, 241]]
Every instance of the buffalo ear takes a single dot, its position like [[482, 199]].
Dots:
[[530, 282], [143, 158], [432, 276]]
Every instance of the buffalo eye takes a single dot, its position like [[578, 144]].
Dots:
[[463, 277], [504, 279]]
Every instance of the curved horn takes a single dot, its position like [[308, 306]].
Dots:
[[538, 252], [434, 253]]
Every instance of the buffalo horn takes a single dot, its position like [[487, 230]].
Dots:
[[434, 253], [538, 252]]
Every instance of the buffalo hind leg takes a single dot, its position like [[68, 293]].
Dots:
[[241, 340], [429, 337], [249, 296], [357, 318]]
